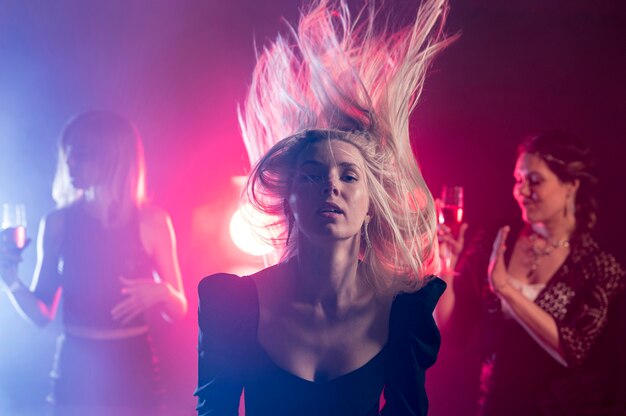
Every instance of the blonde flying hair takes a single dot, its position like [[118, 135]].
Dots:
[[116, 149], [339, 78]]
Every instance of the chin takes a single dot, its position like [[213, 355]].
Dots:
[[329, 235], [531, 219], [528, 218], [530, 214]]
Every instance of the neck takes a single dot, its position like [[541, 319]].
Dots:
[[555, 231], [328, 273]]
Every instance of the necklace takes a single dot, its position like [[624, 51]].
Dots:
[[537, 250]]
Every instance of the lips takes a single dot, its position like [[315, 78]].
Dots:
[[330, 208]]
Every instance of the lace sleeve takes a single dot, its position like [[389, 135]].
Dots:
[[586, 317]]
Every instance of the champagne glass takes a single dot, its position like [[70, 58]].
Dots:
[[13, 226], [451, 215]]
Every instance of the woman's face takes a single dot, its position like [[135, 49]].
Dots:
[[541, 195], [83, 163], [329, 196]]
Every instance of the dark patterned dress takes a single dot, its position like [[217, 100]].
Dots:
[[586, 297]]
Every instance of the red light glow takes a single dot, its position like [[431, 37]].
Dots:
[[248, 238]]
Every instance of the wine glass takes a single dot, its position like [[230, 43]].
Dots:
[[450, 207], [13, 226]]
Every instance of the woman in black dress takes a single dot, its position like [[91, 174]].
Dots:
[[347, 312], [110, 257]]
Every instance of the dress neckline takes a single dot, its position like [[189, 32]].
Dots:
[[267, 357], [371, 362]]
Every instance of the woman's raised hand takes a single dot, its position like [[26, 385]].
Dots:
[[10, 257], [497, 272], [453, 246]]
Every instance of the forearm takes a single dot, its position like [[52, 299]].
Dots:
[[27, 304], [174, 307], [539, 324]]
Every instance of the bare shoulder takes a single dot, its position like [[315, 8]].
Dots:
[[155, 222], [155, 228]]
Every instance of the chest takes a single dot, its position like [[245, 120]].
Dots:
[[317, 349], [530, 264], [562, 280]]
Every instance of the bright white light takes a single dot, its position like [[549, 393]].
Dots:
[[246, 237]]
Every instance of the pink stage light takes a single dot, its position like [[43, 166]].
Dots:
[[249, 238]]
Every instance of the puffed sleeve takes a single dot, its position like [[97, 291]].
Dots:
[[227, 322], [414, 342], [586, 318]]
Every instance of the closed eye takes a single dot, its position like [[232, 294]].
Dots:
[[533, 180]]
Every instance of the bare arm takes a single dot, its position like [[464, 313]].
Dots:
[[38, 310], [446, 303], [539, 324], [159, 236], [164, 291]]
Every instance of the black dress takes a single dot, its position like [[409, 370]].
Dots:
[[91, 372], [231, 360]]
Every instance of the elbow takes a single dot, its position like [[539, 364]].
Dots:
[[176, 309], [182, 306], [41, 323], [37, 313], [560, 357], [45, 316], [180, 311], [40, 320]]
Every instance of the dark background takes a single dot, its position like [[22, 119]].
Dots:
[[179, 68]]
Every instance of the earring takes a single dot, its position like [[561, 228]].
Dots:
[[568, 202], [368, 243]]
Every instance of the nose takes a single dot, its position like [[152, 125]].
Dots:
[[330, 187], [522, 189]]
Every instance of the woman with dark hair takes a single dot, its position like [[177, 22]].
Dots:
[[110, 257], [558, 320], [348, 309]]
